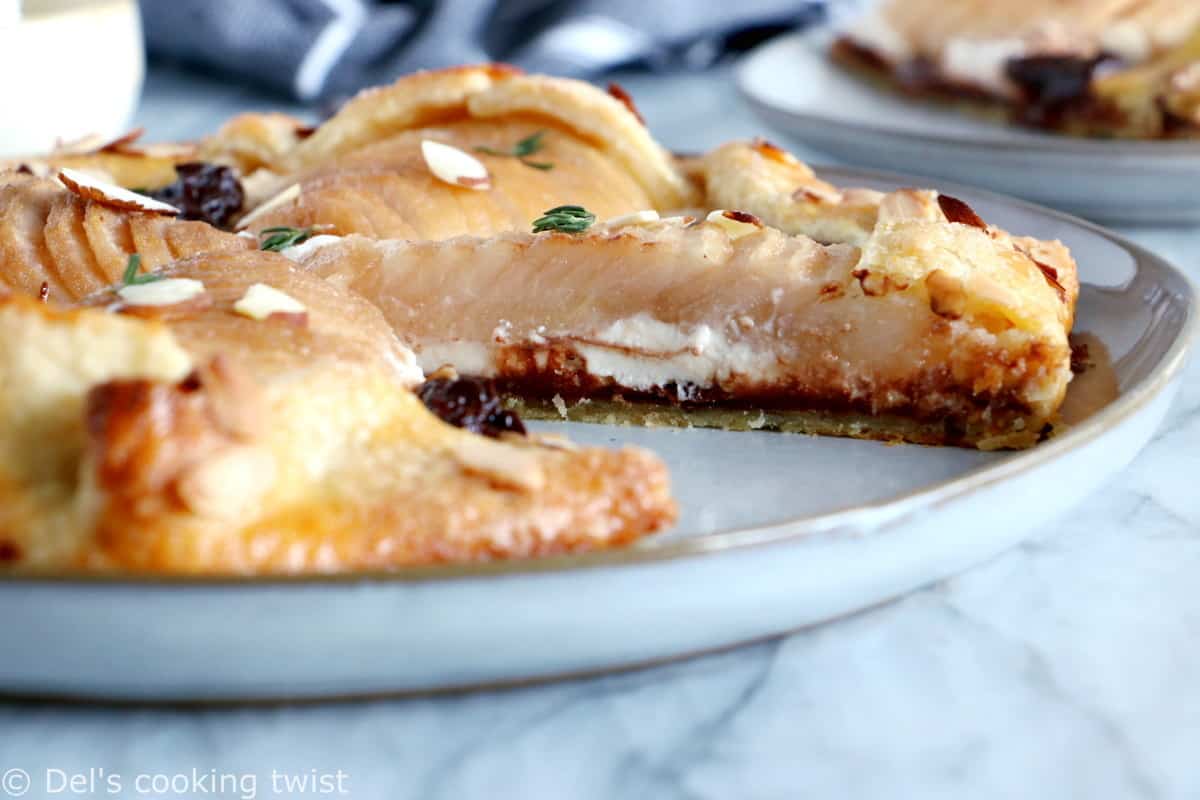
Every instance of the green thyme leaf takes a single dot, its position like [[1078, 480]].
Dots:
[[567, 219], [529, 145], [132, 267], [522, 150], [283, 237]]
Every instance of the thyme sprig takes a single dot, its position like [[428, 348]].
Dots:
[[132, 267], [567, 219], [522, 150], [282, 237]]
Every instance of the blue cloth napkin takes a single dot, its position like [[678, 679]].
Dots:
[[311, 49]]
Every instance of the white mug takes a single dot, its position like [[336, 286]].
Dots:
[[70, 67]]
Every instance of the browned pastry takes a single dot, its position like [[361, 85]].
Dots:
[[186, 427], [366, 170], [1111, 68]]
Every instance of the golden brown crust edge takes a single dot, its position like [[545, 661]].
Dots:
[[190, 467], [590, 500]]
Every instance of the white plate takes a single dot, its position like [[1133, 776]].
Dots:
[[792, 84], [778, 531]]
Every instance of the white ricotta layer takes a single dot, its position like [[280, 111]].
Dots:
[[668, 353], [1127, 39], [638, 352], [644, 332], [636, 371], [876, 34], [469, 358], [981, 62], [404, 361]]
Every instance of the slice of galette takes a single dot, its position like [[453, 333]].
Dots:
[[931, 327], [232, 413], [1109, 69]]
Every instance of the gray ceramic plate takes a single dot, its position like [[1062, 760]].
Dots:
[[791, 83], [777, 532]]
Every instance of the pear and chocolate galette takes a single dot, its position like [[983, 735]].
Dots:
[[286, 349]]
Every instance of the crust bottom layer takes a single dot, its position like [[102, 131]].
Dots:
[[883, 427]]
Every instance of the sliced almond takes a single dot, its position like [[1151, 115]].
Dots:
[[774, 152], [679, 219], [1051, 276], [861, 197], [123, 143], [735, 223], [261, 186], [167, 292], [632, 220], [947, 296], [817, 192], [94, 143], [108, 194], [288, 195], [904, 205], [451, 165], [958, 211], [262, 301], [504, 465], [617, 92], [85, 145], [228, 484]]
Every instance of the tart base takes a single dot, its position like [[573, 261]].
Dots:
[[885, 428]]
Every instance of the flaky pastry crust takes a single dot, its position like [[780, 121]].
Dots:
[[193, 439], [363, 171]]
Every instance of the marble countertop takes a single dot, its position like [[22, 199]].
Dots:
[[1066, 668]]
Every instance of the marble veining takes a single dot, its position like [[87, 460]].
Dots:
[[1065, 668]]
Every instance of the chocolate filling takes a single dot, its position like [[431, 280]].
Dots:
[[1174, 125], [541, 373], [470, 403], [1053, 87], [10, 552], [207, 192]]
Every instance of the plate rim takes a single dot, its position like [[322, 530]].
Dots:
[[649, 551], [1041, 143]]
